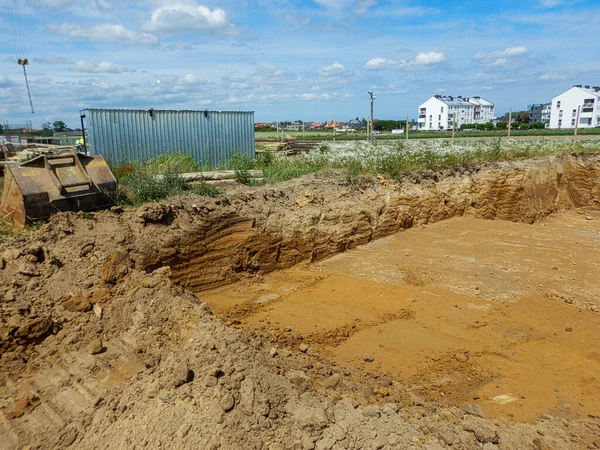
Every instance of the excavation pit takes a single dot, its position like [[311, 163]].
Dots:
[[465, 311]]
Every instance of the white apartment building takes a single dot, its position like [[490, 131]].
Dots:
[[563, 113], [438, 112]]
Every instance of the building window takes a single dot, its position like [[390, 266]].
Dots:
[[560, 113], [572, 122], [558, 104], [559, 122], [442, 110]]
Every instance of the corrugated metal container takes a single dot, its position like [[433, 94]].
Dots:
[[211, 137]]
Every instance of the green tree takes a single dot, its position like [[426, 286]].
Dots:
[[59, 126], [521, 117], [501, 125], [489, 126]]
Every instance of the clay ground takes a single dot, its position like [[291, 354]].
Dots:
[[465, 310]]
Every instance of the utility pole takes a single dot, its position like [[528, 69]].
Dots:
[[577, 122], [509, 121], [303, 130], [372, 100], [406, 126]]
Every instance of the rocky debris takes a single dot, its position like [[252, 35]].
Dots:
[[415, 399], [367, 357], [227, 402], [87, 248], [181, 375], [68, 438], [273, 352], [95, 347], [77, 303], [589, 218], [542, 444], [461, 357], [22, 406], [97, 310], [116, 266], [484, 432], [303, 347], [333, 381]]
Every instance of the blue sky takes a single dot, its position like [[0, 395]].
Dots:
[[288, 60]]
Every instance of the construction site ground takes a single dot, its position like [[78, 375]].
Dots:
[[451, 310], [466, 310]]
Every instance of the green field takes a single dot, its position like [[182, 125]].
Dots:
[[328, 135]]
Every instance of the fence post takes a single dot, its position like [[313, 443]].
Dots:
[[577, 122]]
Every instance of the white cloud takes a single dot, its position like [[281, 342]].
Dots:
[[52, 60], [190, 78], [501, 58], [185, 17], [425, 59], [552, 76], [363, 6], [104, 33], [421, 60], [6, 82], [357, 7], [103, 67], [333, 69]]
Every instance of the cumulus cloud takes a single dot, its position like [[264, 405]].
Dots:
[[421, 60], [103, 67], [186, 17], [501, 57], [104, 33], [333, 69]]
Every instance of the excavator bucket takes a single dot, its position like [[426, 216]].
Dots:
[[36, 189]]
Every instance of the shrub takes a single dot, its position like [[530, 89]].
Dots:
[[141, 186], [172, 163], [501, 125]]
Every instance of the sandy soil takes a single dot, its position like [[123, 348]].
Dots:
[[460, 333], [461, 310]]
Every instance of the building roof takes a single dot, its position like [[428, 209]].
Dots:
[[592, 90], [453, 101]]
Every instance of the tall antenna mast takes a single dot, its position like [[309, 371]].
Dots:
[[19, 43], [25, 62]]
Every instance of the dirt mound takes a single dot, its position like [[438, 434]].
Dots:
[[101, 349]]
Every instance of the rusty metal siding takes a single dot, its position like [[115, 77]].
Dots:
[[211, 137]]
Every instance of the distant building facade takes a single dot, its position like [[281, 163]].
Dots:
[[440, 112], [586, 99], [539, 112]]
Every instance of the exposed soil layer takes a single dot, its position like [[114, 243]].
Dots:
[[103, 347], [464, 309]]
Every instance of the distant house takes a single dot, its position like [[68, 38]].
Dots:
[[586, 99], [356, 124], [294, 126], [315, 126], [440, 112], [539, 112]]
